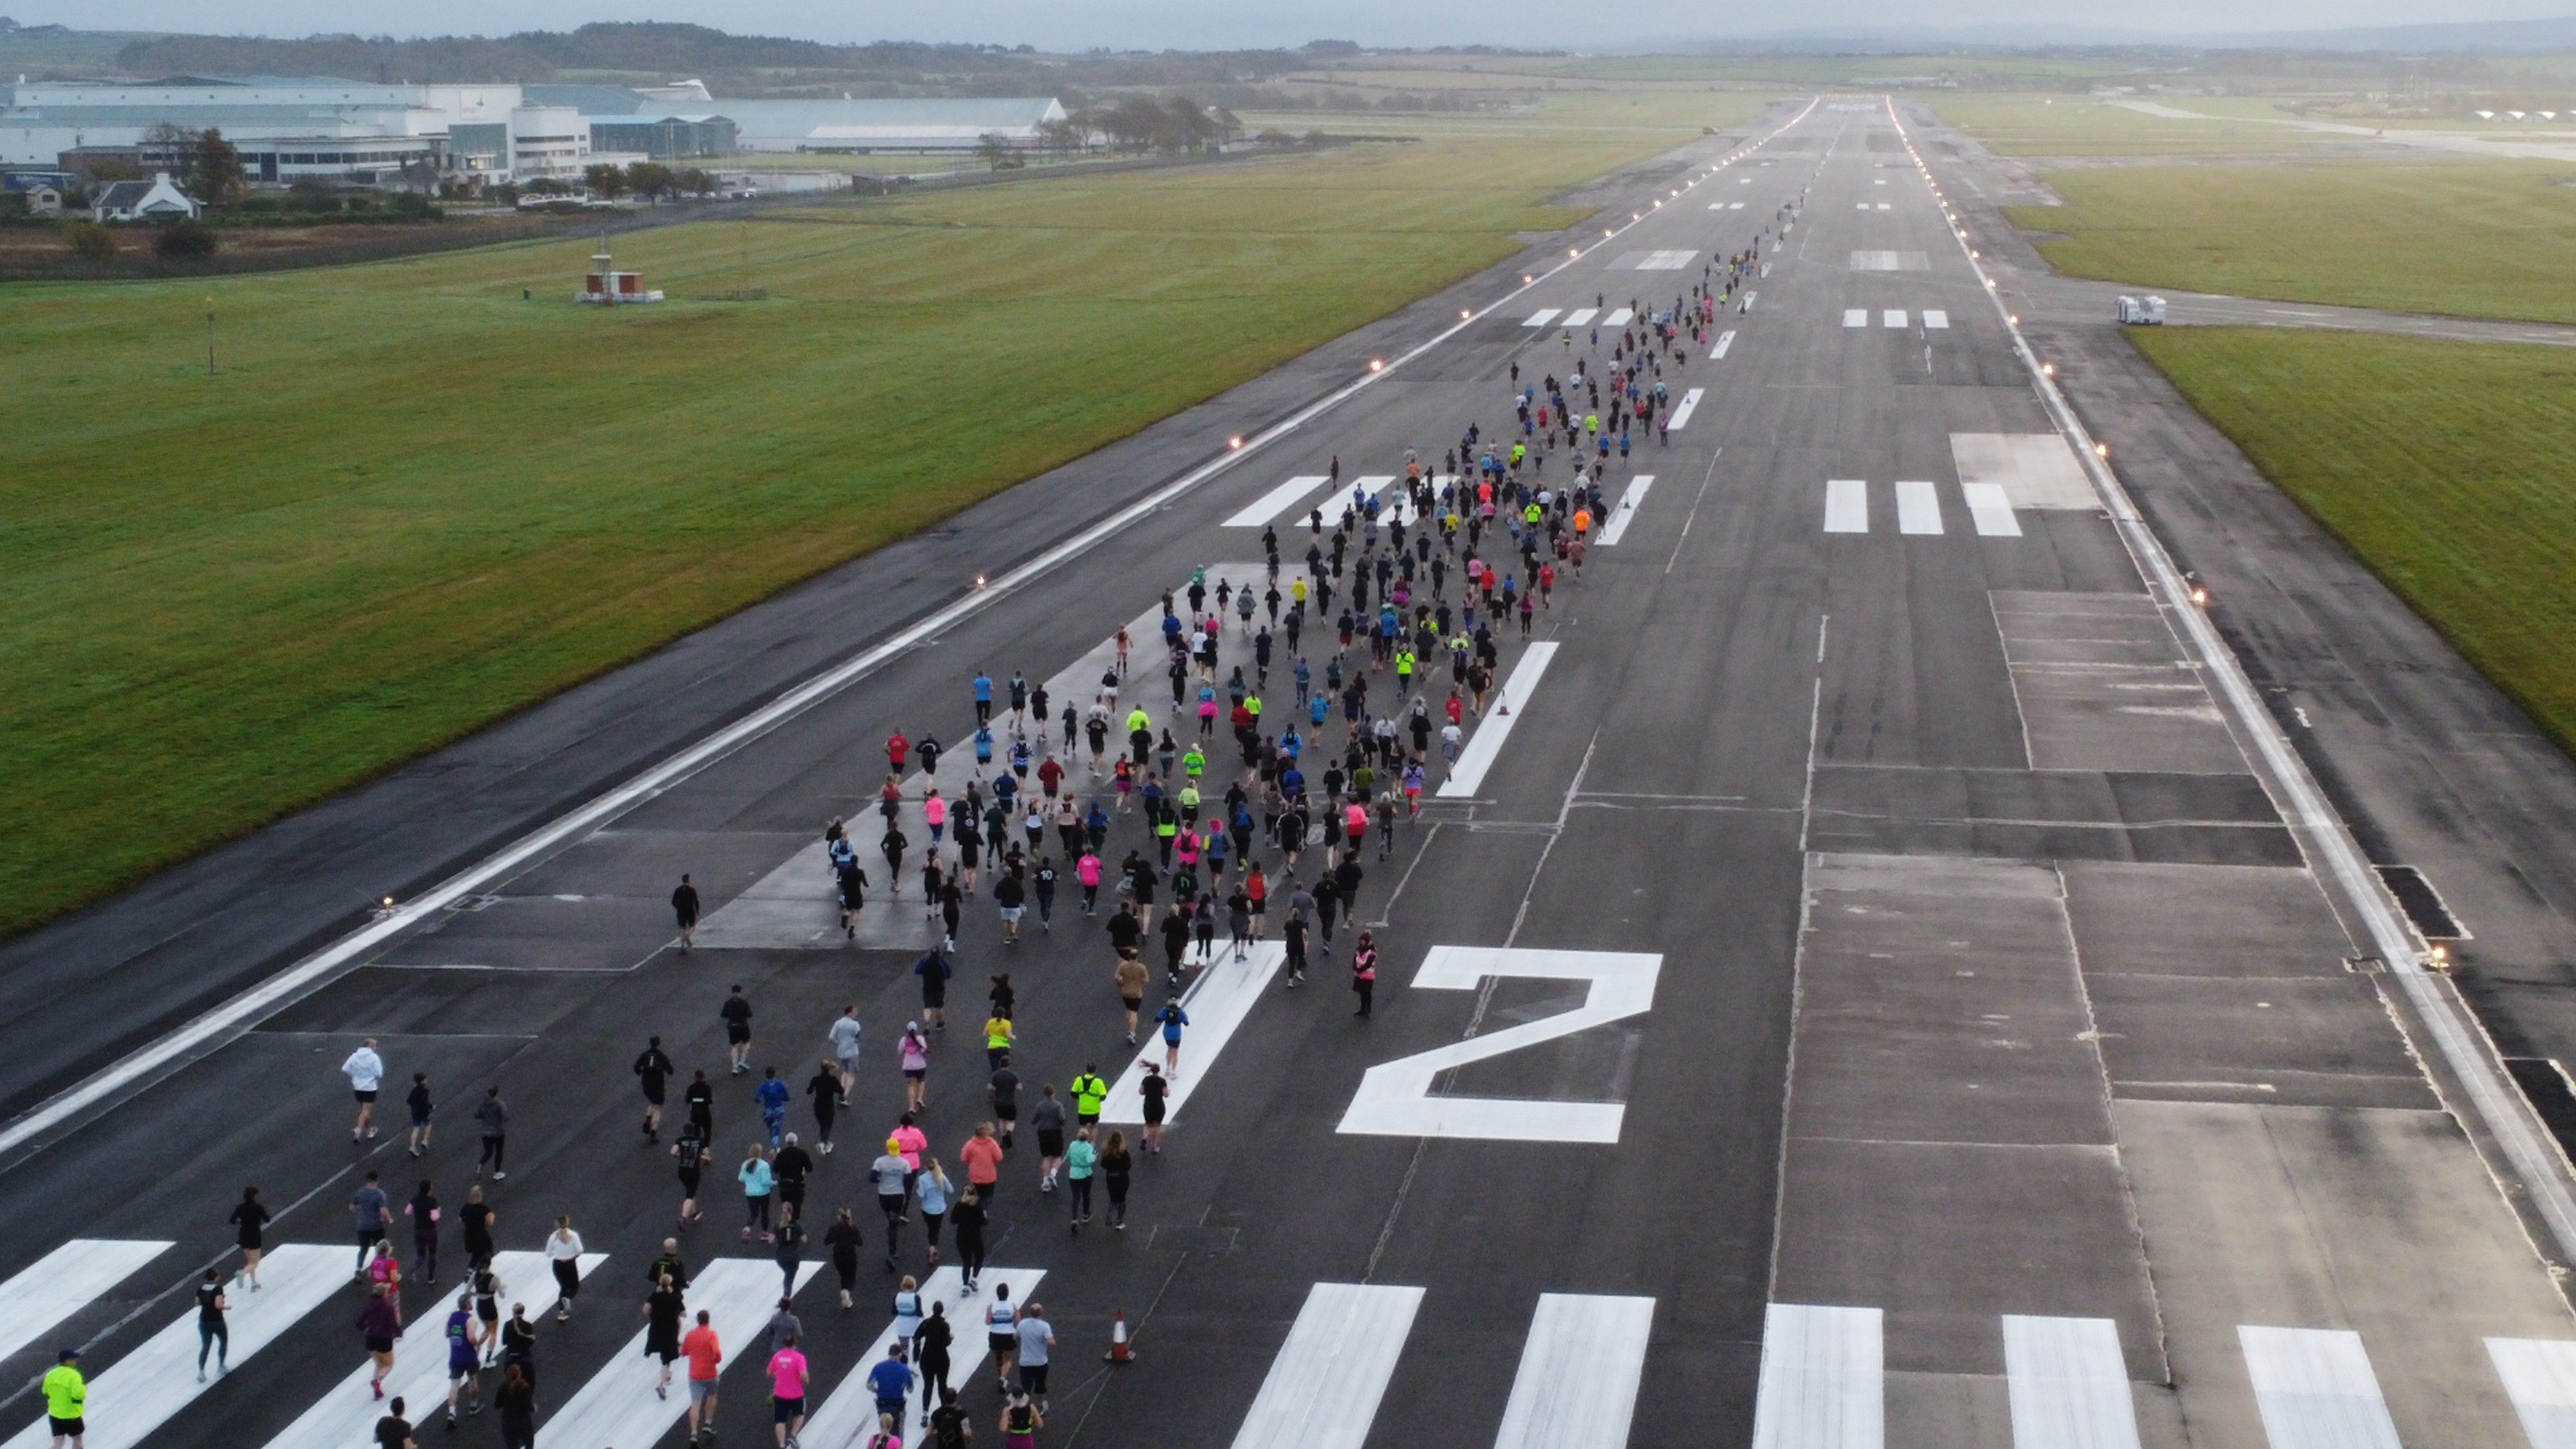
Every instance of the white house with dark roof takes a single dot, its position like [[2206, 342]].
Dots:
[[158, 199]]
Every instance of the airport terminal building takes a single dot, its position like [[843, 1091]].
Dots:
[[291, 128]]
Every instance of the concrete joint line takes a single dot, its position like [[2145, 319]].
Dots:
[[222, 1023], [2536, 1166]]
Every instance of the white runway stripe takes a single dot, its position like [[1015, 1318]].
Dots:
[[2540, 1377], [55, 1286], [1495, 728], [1892, 317], [1725, 340], [1671, 261], [1619, 317], [1918, 507], [1846, 506], [1689, 405], [1541, 317], [1860, 206], [1626, 511], [1737, 206], [1991, 510], [617, 1405], [2068, 1386], [1855, 316], [1579, 1371], [1272, 503], [1217, 1003], [1324, 1385], [141, 1391], [345, 1415], [849, 1416], [1883, 206], [2315, 1389], [1936, 321], [1823, 1379], [1580, 316]]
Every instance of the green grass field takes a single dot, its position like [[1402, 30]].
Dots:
[[2033, 125], [410, 502], [2466, 238], [2449, 468]]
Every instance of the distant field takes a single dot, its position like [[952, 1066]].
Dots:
[[411, 502], [2466, 238], [2034, 125], [2450, 468]]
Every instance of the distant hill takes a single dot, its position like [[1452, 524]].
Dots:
[[2489, 36]]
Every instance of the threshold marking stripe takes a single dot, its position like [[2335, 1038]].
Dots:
[[2540, 1377], [1580, 1367], [1846, 506], [1918, 507], [1855, 316], [1725, 340], [148, 1387], [59, 1284], [1272, 503], [2068, 1387], [2315, 1389], [617, 1405], [1541, 317], [1990, 508], [1217, 1003], [1619, 317], [1893, 317], [347, 1414], [1936, 321], [1689, 405], [1621, 516], [1325, 1382], [1580, 316], [849, 1416], [1495, 728], [1823, 1379]]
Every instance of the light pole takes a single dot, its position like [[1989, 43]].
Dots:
[[210, 337]]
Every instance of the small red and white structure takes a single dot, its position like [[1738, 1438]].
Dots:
[[610, 287]]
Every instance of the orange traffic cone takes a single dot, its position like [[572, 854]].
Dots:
[[1120, 1351]]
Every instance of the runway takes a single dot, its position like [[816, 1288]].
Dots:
[[1866, 989]]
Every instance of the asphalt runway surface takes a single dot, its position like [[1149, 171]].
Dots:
[[1873, 993]]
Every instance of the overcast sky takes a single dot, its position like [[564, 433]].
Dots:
[[1205, 24]]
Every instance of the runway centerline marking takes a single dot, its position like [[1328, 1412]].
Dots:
[[1626, 512], [1689, 405], [1725, 340], [1217, 1003]]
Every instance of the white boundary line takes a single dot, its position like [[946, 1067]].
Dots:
[[2535, 1163], [238, 1013]]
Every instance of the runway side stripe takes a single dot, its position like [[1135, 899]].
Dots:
[[1324, 1384], [2540, 1377], [849, 1416], [1269, 505], [1541, 317], [1626, 512], [1823, 1379], [1217, 1003], [617, 1405], [1918, 507], [143, 1390], [55, 1286], [1495, 728], [2067, 1384], [1689, 405], [2315, 1389], [1990, 508], [346, 1414], [1579, 1371], [1846, 506]]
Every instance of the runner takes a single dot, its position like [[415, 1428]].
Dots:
[[417, 1100], [1364, 970], [1087, 1090], [824, 1091], [684, 906], [1048, 1118], [1129, 978], [66, 1399], [464, 1358], [930, 1346], [366, 1073], [969, 1218], [1037, 1341], [368, 1206], [930, 1192], [891, 1172], [212, 1333], [1021, 1421], [1154, 1089], [844, 1035], [1117, 1165], [379, 1324], [423, 1212], [758, 1182], [787, 1370], [736, 1012], [913, 1054], [691, 1152], [250, 1221], [771, 1096], [563, 1256], [653, 1072], [1173, 1018], [1079, 1158], [706, 1362], [663, 1310]]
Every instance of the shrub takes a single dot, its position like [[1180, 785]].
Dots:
[[89, 239], [184, 240]]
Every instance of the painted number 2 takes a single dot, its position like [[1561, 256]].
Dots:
[[1394, 1099]]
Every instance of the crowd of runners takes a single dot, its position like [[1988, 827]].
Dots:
[[1305, 712]]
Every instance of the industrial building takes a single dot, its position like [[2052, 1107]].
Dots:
[[290, 128]]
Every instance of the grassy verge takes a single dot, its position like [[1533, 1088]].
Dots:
[[2466, 238], [2034, 125], [410, 502], [2449, 468]]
